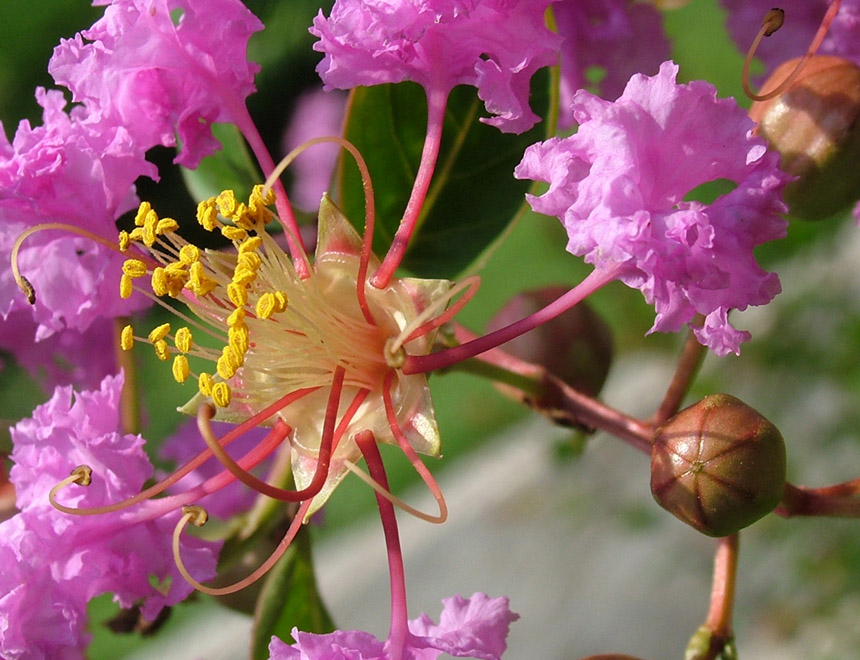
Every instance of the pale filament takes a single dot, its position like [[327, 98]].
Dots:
[[253, 577]]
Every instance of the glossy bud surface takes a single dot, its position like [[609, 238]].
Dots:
[[815, 126], [718, 465]]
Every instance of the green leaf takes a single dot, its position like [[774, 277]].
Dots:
[[289, 599], [230, 168], [473, 197]]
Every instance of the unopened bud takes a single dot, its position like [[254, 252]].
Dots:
[[815, 126], [576, 346], [718, 465]]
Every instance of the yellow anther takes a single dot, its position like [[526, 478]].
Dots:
[[150, 224], [134, 268], [249, 260], [126, 338], [124, 241], [257, 197], [166, 226], [266, 305], [221, 394], [183, 340], [205, 383], [234, 233], [251, 244], [181, 370], [136, 234], [162, 350], [159, 333], [200, 283], [159, 281], [125, 286], [282, 300], [207, 214], [224, 366], [238, 338], [238, 294], [244, 276], [236, 317], [227, 203], [142, 211], [189, 254]]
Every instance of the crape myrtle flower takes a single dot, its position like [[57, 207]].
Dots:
[[619, 187], [802, 20], [475, 627], [164, 70], [612, 38], [54, 563], [494, 45]]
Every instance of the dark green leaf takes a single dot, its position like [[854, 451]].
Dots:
[[289, 599], [473, 196], [230, 168]]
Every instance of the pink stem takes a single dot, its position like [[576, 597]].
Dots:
[[282, 202], [423, 363], [399, 630], [437, 100]]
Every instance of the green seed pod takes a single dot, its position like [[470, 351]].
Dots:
[[815, 126], [718, 465]]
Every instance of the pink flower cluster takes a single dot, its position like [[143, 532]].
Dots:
[[144, 75], [54, 563], [620, 187]]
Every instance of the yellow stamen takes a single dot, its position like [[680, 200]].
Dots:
[[125, 286], [282, 301], [166, 226], [126, 339], [142, 211], [183, 340], [237, 316], [238, 338], [249, 260], [266, 305], [159, 333], [238, 294], [200, 283], [205, 383], [221, 394], [251, 244], [227, 203], [136, 234], [189, 254], [234, 233], [150, 225], [207, 214], [181, 370], [124, 241], [162, 350]]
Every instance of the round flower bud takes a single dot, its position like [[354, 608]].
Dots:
[[815, 126], [718, 465], [576, 346]]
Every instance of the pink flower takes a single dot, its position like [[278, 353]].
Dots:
[[618, 37], [58, 562], [619, 186], [494, 45], [164, 70], [475, 627]]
